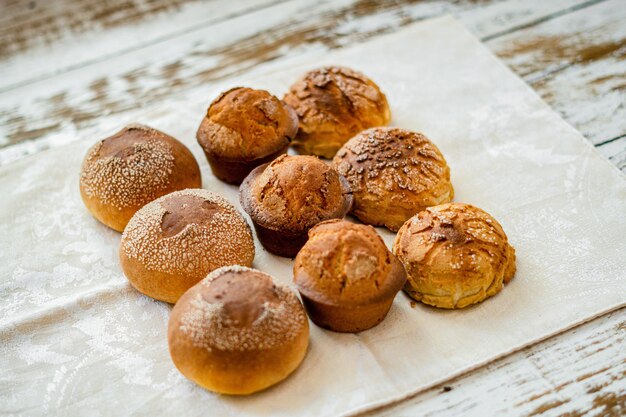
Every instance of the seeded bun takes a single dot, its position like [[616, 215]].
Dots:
[[288, 196], [455, 255], [394, 173], [175, 241], [126, 171], [238, 331], [346, 276], [243, 129], [334, 104]]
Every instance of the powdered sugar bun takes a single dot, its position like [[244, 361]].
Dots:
[[238, 331], [122, 173], [175, 241]]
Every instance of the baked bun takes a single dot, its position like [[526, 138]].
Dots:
[[238, 331], [126, 171], [455, 255], [243, 129], [288, 196], [172, 243], [346, 276], [334, 104], [393, 173]]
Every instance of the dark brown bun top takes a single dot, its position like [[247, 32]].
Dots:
[[239, 309], [347, 264], [294, 193], [333, 104], [188, 231], [135, 166], [246, 124]]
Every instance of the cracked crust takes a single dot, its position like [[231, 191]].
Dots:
[[455, 255], [394, 173], [346, 276], [333, 104]]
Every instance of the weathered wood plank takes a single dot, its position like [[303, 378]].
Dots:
[[53, 109], [578, 373], [577, 63], [31, 33], [615, 150]]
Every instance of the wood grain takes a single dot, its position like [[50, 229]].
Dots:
[[50, 111], [578, 373]]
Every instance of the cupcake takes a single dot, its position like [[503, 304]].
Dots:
[[288, 196], [243, 129], [346, 276]]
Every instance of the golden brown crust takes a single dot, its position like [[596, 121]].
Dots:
[[138, 164], [294, 193], [238, 331], [334, 104], [455, 255], [175, 241], [346, 275], [394, 173], [243, 125]]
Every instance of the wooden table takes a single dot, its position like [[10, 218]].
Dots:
[[67, 65]]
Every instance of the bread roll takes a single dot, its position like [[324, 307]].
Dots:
[[175, 241], [126, 171], [289, 196], [346, 276], [394, 173], [334, 104], [238, 331], [455, 255], [243, 129]]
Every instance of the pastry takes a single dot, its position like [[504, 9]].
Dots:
[[288, 196], [243, 129], [124, 172], [394, 173], [455, 255], [334, 104], [175, 241], [238, 331], [346, 276]]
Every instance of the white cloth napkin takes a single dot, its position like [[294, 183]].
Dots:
[[78, 340]]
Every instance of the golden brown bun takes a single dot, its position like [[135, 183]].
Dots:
[[455, 255], [238, 331], [289, 196], [393, 173], [126, 171], [346, 276], [172, 243], [334, 104], [243, 129]]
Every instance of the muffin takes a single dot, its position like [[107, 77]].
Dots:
[[175, 241], [334, 104], [455, 255], [124, 172], [238, 331], [288, 196], [394, 173], [346, 276], [243, 129]]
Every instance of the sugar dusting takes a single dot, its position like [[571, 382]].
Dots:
[[132, 178], [209, 325], [225, 239]]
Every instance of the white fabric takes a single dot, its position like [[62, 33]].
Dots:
[[78, 340]]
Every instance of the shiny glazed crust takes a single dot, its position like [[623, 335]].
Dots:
[[394, 173], [455, 255], [334, 104]]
